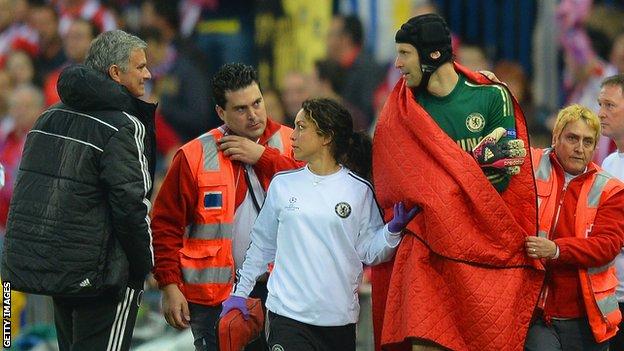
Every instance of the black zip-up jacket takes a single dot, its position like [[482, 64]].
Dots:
[[78, 221]]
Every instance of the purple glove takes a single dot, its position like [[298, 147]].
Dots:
[[401, 217], [235, 303]]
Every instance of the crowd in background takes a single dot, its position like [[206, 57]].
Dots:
[[301, 49]]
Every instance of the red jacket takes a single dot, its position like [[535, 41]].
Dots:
[[564, 298], [177, 200]]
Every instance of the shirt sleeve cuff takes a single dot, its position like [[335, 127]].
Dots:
[[556, 256], [166, 279], [392, 239], [240, 294]]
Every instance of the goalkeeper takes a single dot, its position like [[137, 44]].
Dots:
[[461, 279], [479, 118]]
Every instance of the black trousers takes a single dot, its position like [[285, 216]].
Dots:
[[617, 343], [563, 335], [94, 324], [286, 334]]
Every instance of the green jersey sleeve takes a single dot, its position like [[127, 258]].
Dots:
[[501, 114]]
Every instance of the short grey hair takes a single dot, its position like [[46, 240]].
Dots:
[[112, 48]]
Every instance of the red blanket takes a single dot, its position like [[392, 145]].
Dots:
[[461, 277]]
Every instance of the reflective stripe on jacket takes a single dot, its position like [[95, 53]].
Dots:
[[206, 259], [597, 283]]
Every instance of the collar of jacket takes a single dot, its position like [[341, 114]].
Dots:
[[272, 127], [86, 89]]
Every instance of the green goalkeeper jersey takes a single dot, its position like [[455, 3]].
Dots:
[[470, 112]]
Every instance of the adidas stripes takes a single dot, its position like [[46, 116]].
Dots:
[[96, 324]]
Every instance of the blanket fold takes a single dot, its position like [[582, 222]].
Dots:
[[461, 277]]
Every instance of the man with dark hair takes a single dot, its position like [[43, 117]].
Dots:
[[209, 200], [165, 16], [326, 81], [78, 227], [352, 28], [182, 96], [461, 280], [362, 74], [50, 55]]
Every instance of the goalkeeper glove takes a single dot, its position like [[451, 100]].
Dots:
[[505, 155]]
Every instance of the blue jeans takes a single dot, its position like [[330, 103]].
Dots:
[[562, 335]]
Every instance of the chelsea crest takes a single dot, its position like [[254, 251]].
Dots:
[[475, 122], [343, 209]]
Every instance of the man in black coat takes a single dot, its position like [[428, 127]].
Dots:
[[78, 227]]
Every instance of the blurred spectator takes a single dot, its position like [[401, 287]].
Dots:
[[616, 56], [148, 14], [21, 10], [44, 20], [295, 90], [75, 44], [5, 89], [222, 30], [20, 68], [584, 69], [118, 12], [606, 17], [167, 143], [274, 106], [473, 57], [513, 75], [601, 43], [91, 10], [14, 35], [177, 85], [326, 80], [362, 74], [25, 105], [164, 15], [78, 39], [289, 36], [423, 7]]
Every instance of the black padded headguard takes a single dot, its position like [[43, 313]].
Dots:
[[427, 33]]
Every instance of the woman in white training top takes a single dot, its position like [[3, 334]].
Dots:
[[319, 224]]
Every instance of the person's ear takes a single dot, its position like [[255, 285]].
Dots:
[[553, 142], [220, 112], [327, 139], [115, 73]]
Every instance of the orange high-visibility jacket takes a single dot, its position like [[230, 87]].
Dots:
[[597, 283], [206, 258]]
